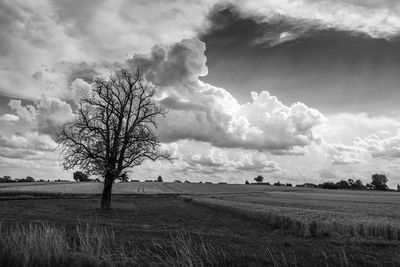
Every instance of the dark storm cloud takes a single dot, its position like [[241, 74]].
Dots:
[[331, 70]]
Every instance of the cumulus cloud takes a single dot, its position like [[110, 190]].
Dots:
[[378, 19], [27, 112], [32, 141], [345, 127], [381, 147], [48, 44], [9, 117], [51, 113], [341, 154], [202, 157], [202, 112], [47, 113]]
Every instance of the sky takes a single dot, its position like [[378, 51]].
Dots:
[[295, 91]]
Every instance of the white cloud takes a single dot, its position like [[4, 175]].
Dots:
[[36, 38], [32, 141], [375, 18], [381, 147], [346, 127], [195, 159], [46, 114], [341, 154], [9, 118], [27, 112], [203, 112]]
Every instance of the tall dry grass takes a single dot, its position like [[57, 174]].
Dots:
[[93, 245]]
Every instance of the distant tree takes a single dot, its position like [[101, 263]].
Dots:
[[124, 178], [330, 185], [358, 185], [159, 179], [398, 187], [277, 183], [114, 129], [81, 177], [343, 184], [289, 184], [379, 181], [6, 179], [29, 179], [259, 179], [351, 183], [247, 182]]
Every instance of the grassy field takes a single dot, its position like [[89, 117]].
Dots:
[[262, 225], [305, 211], [161, 230]]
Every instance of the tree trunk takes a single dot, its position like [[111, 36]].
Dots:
[[106, 197]]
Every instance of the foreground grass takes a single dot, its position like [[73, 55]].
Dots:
[[92, 245], [165, 232], [46, 245]]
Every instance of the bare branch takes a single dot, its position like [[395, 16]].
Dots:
[[114, 127]]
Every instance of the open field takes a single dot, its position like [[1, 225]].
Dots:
[[306, 211], [364, 225], [165, 231]]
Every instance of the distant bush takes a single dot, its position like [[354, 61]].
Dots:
[[343, 184], [259, 179], [124, 178], [29, 179], [379, 181], [5, 179], [80, 176], [266, 183]]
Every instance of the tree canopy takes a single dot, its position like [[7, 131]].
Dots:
[[379, 181], [259, 179]]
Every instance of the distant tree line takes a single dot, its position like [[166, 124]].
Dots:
[[28, 179], [378, 182], [83, 177], [8, 179], [80, 176], [260, 180]]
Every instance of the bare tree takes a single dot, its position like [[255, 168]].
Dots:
[[114, 129]]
